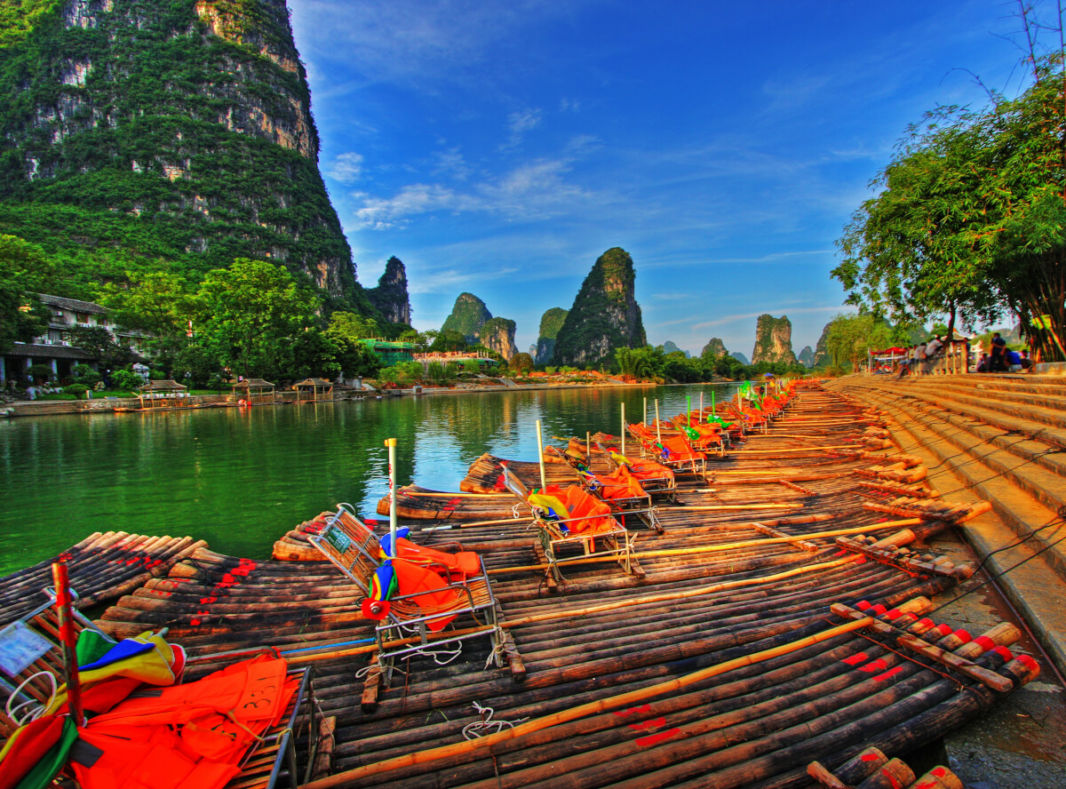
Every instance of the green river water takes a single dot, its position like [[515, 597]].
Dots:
[[239, 479]]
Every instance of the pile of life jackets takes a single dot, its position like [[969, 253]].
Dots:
[[141, 730]]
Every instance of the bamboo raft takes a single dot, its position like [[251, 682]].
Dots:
[[782, 618], [101, 566]]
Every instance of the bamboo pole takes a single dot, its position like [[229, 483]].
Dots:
[[584, 710], [64, 607], [624, 430], [391, 444], [658, 431], [540, 456]]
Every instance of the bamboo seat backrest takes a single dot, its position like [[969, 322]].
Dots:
[[351, 545], [31, 661]]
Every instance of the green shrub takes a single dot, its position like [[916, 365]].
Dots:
[[126, 380], [78, 390]]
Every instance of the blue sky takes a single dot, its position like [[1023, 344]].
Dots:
[[500, 146]]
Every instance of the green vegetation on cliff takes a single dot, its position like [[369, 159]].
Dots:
[[467, 316], [145, 136], [605, 315]]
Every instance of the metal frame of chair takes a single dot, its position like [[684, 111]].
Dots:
[[354, 549], [616, 542]]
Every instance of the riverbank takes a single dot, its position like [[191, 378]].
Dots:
[[122, 405]]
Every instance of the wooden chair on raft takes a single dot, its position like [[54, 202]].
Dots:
[[415, 593], [574, 526], [657, 480], [704, 436], [620, 489]]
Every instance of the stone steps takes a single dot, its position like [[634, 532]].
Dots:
[[971, 394], [1022, 477]]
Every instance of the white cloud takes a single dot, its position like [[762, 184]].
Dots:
[[727, 319], [518, 123], [536, 190], [346, 168]]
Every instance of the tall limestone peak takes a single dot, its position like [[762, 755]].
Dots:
[[605, 314], [497, 334], [773, 340], [671, 347], [806, 356], [550, 324], [714, 349], [467, 316], [139, 131], [390, 296], [821, 348]]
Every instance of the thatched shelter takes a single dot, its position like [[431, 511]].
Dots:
[[166, 393], [254, 391], [313, 390]]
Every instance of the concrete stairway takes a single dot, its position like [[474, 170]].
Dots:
[[1001, 438]]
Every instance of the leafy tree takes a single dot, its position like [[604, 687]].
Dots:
[[971, 217], [645, 362], [24, 272], [850, 338], [98, 341], [448, 340], [521, 363], [251, 316], [158, 304], [352, 326]]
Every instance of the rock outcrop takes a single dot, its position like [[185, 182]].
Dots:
[[806, 357], [671, 347], [467, 316], [390, 296], [550, 324], [773, 340], [178, 132], [714, 349], [821, 350], [605, 314], [740, 357], [497, 334]]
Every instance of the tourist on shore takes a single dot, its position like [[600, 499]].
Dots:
[[998, 360], [932, 353], [1026, 362], [983, 364]]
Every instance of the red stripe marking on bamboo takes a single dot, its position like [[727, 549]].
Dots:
[[870, 757], [631, 710], [893, 614], [651, 723], [655, 739], [874, 665], [1028, 662], [1004, 653], [944, 630], [862, 605], [926, 622], [963, 636], [985, 643], [939, 772], [888, 674], [880, 610], [856, 659], [892, 780]]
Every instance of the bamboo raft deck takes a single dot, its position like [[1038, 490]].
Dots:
[[780, 618], [102, 566]]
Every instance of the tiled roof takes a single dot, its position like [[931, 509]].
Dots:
[[74, 305]]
